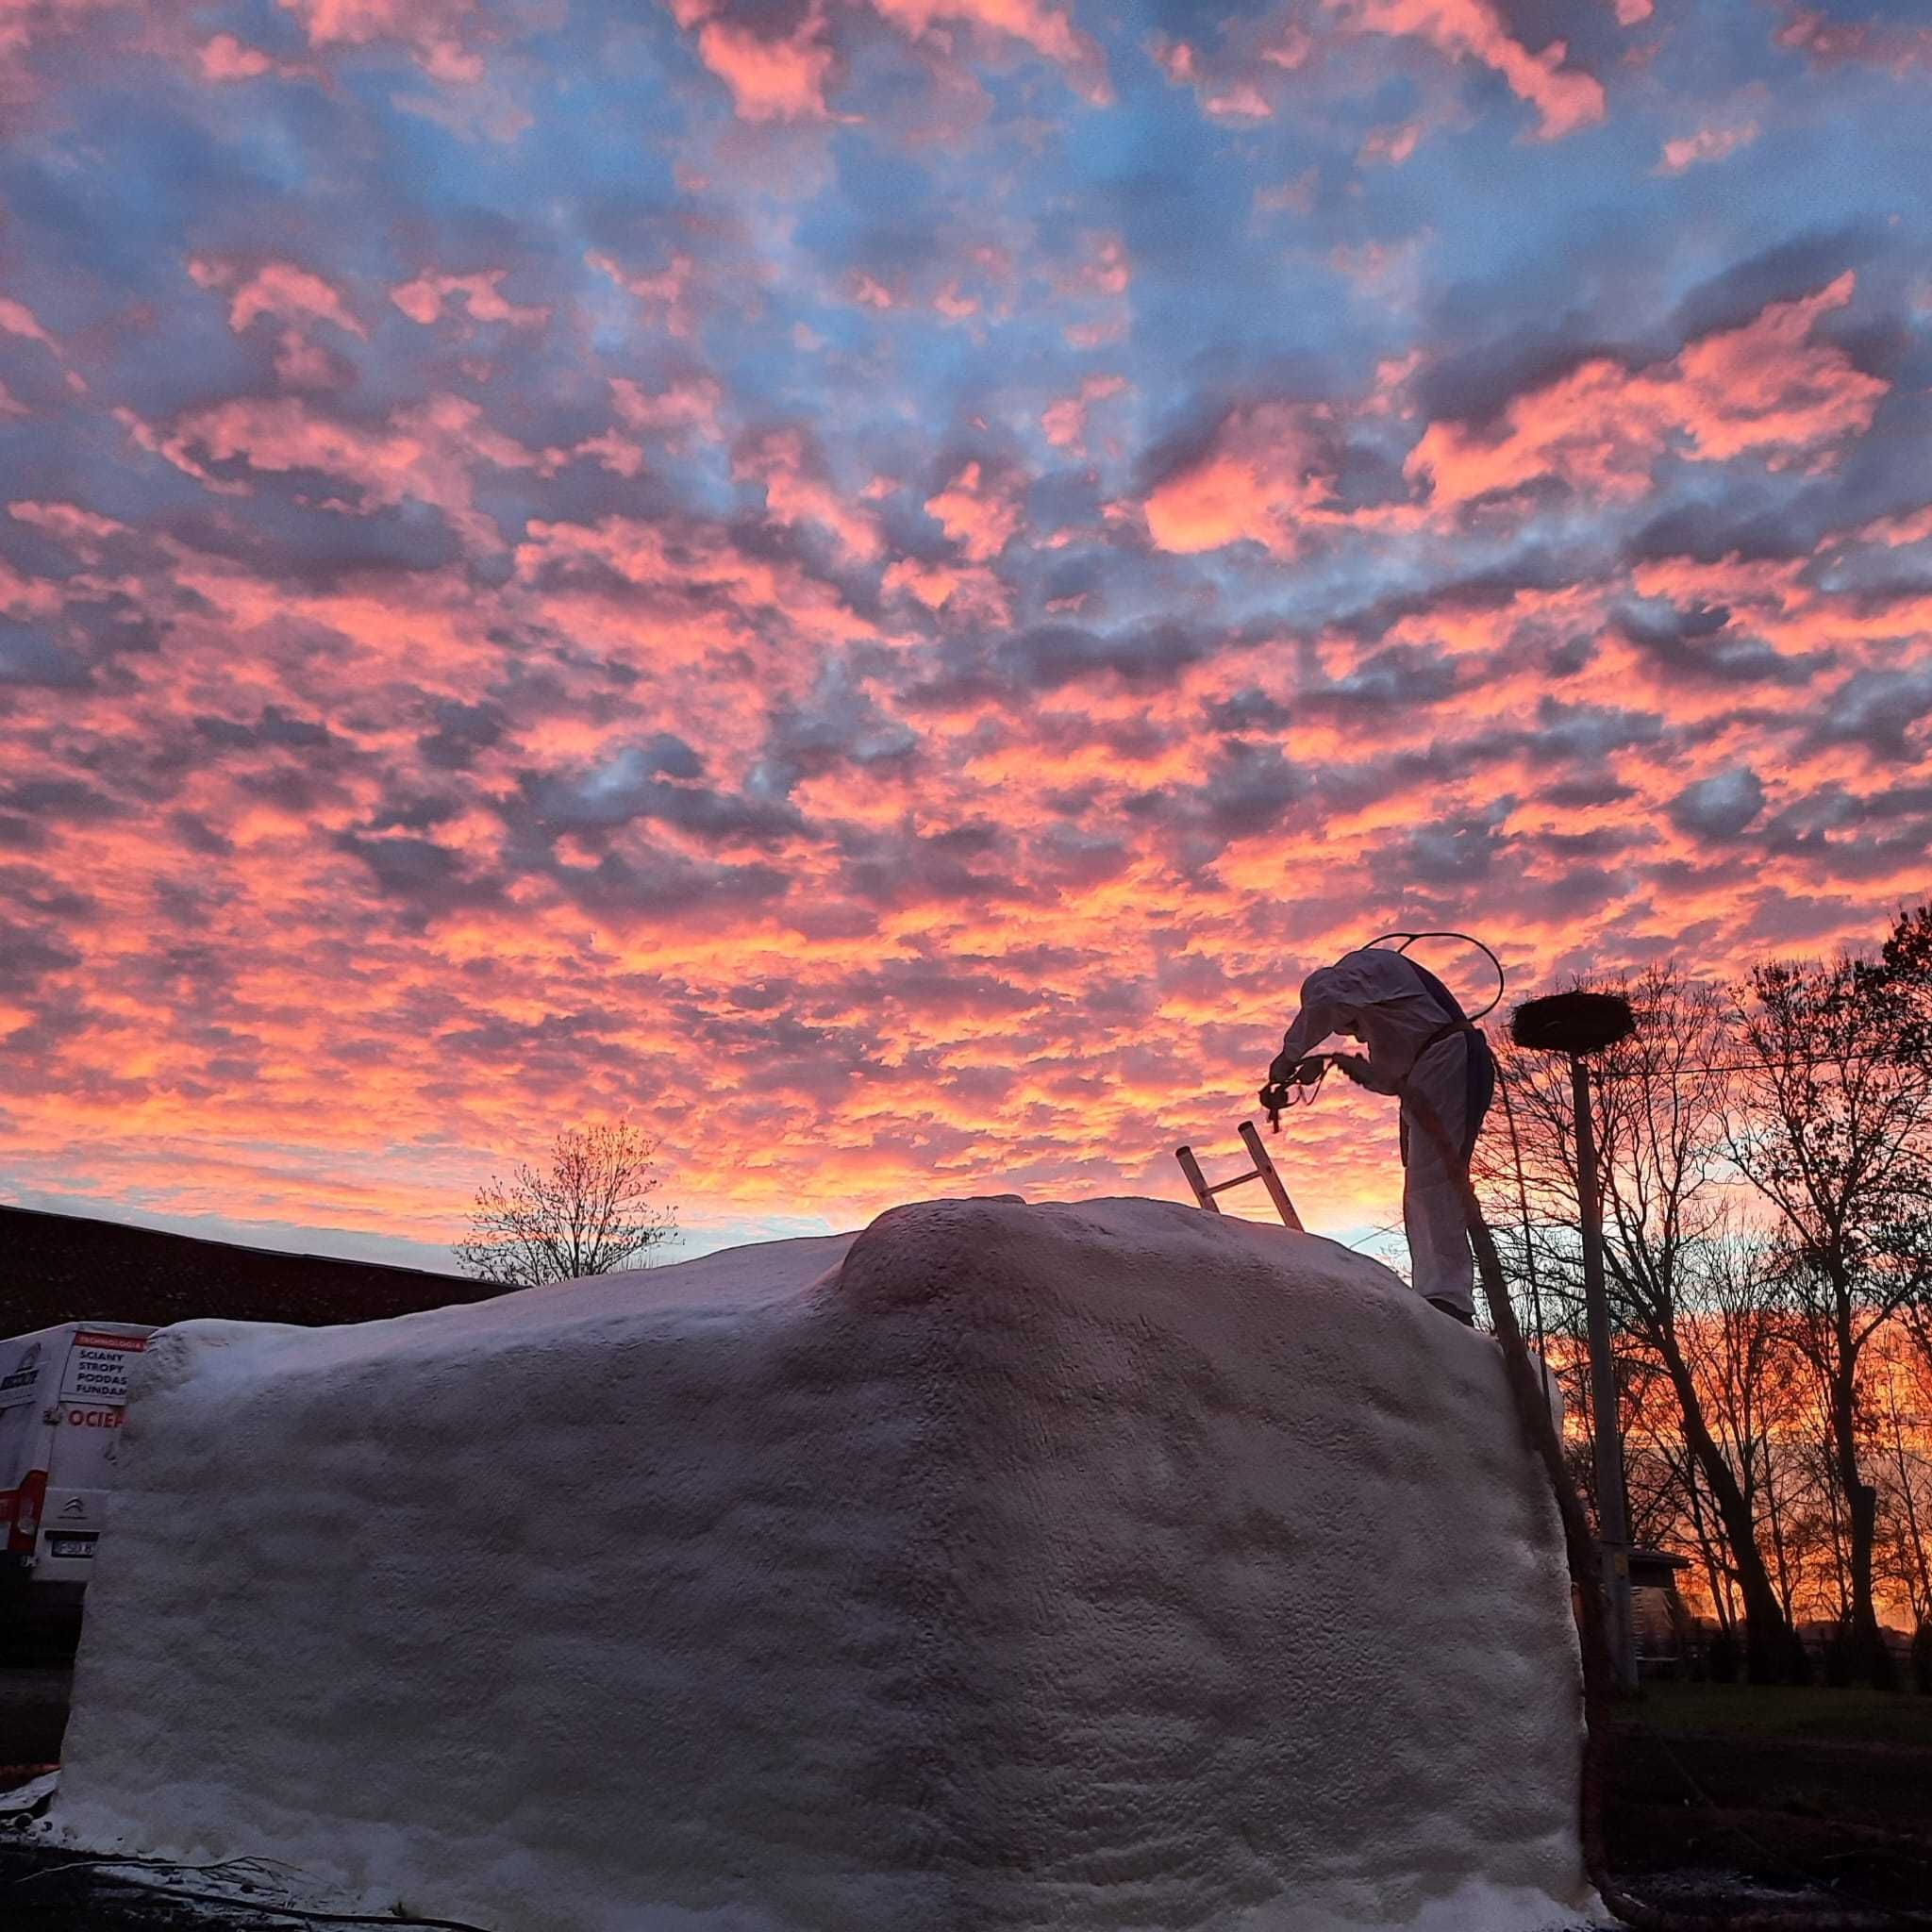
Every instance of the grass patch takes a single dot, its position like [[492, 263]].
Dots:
[[1782, 1710]]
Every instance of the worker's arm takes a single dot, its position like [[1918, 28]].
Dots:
[[1353, 1066], [1312, 1025]]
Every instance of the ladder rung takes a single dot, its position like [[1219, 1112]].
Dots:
[[1262, 1171]]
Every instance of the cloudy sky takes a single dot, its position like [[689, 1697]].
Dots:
[[871, 582]]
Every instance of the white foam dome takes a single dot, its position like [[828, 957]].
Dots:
[[1077, 1566]]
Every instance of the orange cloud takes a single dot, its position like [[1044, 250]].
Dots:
[[1267, 470]]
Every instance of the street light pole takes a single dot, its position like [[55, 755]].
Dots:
[[1613, 1516], [1576, 1024]]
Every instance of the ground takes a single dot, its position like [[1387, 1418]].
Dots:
[[1793, 1790], [1719, 1796]]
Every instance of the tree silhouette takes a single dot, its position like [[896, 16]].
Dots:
[[590, 1211], [1835, 1131]]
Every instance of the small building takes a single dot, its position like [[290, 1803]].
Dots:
[[57, 1268], [1656, 1610]]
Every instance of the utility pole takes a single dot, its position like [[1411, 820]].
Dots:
[[1577, 1024], [1612, 1505]]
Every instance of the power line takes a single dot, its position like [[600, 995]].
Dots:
[[1843, 1060]]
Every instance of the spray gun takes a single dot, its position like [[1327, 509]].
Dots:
[[1298, 1089]]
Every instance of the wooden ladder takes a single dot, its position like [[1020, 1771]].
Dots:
[[1262, 1171]]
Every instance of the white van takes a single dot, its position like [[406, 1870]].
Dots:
[[63, 1395]]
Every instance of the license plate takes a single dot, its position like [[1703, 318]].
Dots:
[[69, 1546]]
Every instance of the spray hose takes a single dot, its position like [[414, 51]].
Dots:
[[1533, 1410]]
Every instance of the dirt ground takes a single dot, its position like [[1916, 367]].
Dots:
[[1714, 1806], [1692, 1816]]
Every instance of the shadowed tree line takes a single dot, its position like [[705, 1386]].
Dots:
[[1766, 1172]]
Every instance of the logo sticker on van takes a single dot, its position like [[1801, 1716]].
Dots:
[[17, 1384], [97, 1367]]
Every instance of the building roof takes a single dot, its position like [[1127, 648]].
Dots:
[[66, 1266]]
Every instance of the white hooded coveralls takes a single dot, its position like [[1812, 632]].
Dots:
[[1398, 1011]]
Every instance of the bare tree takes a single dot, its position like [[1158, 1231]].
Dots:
[[1672, 1270], [1832, 1131], [590, 1211], [1664, 1096]]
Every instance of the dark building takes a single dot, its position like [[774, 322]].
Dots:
[[65, 1267]]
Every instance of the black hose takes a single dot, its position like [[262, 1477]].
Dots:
[[1469, 938]]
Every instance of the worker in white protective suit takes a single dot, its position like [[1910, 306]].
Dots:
[[1420, 1043]]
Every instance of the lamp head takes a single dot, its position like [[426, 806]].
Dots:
[[1572, 1022]]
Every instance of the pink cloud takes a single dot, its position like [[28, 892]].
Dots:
[[1099, 267], [1064, 423], [1706, 144], [1565, 98], [17, 319], [685, 409], [981, 511], [964, 597], [1226, 88], [279, 288], [1048, 30], [1175, 59], [427, 454], [1915, 527], [424, 299], [84, 529], [771, 77], [669, 291], [703, 596], [1239, 100], [795, 493], [226, 59], [434, 31], [1765, 388], [1878, 43], [1392, 144]]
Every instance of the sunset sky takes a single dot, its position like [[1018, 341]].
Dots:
[[872, 582]]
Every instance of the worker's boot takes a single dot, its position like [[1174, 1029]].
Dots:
[[1449, 1309]]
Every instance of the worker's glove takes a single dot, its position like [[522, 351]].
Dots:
[[1351, 1066], [1284, 1075], [1305, 1072]]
